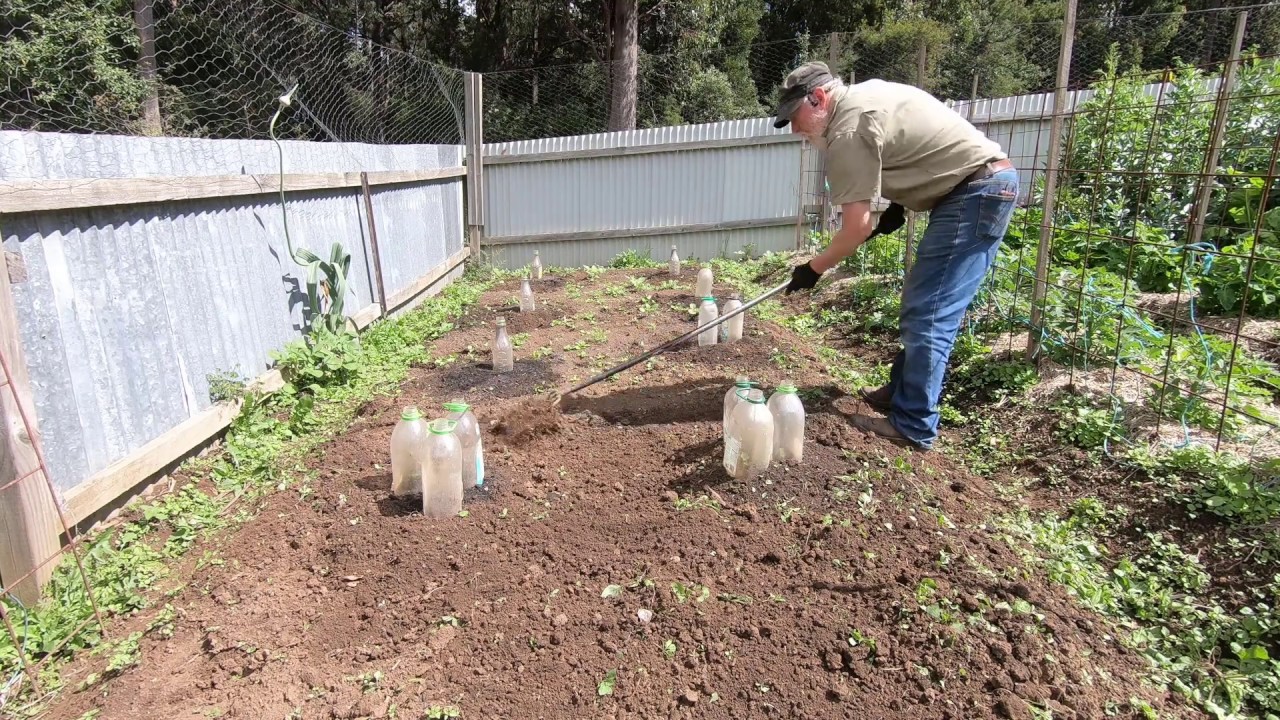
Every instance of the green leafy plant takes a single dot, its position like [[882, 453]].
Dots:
[[227, 385], [606, 685], [632, 258], [1215, 656], [326, 281]]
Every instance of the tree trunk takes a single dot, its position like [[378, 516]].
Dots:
[[144, 20], [624, 60], [534, 80]]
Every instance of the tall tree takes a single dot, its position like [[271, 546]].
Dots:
[[144, 20], [624, 59]]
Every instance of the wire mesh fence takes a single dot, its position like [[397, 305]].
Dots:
[[213, 70], [1161, 249]]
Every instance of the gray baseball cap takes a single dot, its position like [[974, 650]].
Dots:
[[802, 81]]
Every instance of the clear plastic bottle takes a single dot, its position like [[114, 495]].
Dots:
[[731, 330], [442, 471], [748, 448], [731, 399], [788, 424], [504, 358], [706, 281], [673, 265], [707, 312], [407, 443], [536, 267], [526, 296], [468, 433]]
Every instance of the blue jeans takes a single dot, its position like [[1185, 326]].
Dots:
[[965, 230]]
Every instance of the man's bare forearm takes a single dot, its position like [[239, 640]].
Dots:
[[847, 240]]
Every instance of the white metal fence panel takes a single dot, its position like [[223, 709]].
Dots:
[[126, 310]]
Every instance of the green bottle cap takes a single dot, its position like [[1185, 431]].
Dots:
[[410, 414], [705, 299], [786, 388], [457, 406], [743, 383], [442, 427]]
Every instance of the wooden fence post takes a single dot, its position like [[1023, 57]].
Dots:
[[475, 160], [1204, 186], [1040, 289], [29, 525], [833, 62], [373, 244], [973, 98]]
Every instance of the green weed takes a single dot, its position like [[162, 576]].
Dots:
[[632, 258], [1215, 656]]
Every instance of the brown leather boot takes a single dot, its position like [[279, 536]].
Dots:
[[880, 398], [885, 429]]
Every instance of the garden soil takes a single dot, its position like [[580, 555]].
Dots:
[[609, 568]]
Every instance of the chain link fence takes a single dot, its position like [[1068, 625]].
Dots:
[[210, 69]]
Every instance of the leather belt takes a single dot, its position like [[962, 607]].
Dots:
[[987, 171]]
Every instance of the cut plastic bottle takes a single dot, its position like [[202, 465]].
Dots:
[[731, 400], [673, 265], [731, 330], [526, 296], [706, 281], [707, 312], [504, 359], [748, 448], [788, 424], [468, 433], [442, 471], [408, 440], [536, 267]]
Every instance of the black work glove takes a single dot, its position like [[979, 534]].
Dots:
[[891, 219], [804, 277]]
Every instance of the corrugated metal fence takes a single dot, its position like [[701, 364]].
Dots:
[[126, 309], [712, 190]]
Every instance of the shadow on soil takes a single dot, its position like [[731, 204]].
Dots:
[[691, 401], [392, 506], [467, 378]]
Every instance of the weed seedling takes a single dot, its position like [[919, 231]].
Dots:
[[605, 686], [702, 502]]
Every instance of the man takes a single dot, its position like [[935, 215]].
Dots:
[[898, 142]]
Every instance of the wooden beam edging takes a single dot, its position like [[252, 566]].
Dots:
[[640, 232], [641, 149], [24, 196], [124, 475]]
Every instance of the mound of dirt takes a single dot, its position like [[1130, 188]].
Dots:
[[526, 419]]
